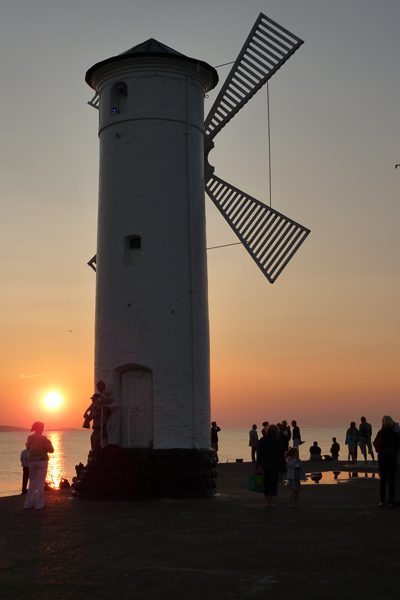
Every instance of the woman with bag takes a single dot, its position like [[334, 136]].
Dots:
[[38, 446], [387, 445]]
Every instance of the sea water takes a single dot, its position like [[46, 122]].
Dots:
[[72, 447]]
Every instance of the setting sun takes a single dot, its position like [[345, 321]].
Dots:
[[53, 400]]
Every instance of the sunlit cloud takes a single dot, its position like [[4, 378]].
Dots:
[[22, 376]]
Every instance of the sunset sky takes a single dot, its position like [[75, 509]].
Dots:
[[321, 345]]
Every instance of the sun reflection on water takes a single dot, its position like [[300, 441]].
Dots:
[[56, 468]]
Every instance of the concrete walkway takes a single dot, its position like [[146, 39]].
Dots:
[[338, 545]]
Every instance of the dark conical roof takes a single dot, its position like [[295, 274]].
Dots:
[[149, 47]]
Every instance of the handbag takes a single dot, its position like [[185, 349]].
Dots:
[[378, 443], [86, 423], [256, 483]]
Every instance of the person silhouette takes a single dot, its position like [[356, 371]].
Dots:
[[25, 469], [335, 449], [38, 447], [315, 452], [214, 436], [364, 439], [253, 442]]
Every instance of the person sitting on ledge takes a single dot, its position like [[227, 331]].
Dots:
[[315, 452], [335, 448]]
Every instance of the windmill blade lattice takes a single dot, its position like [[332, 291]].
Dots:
[[266, 49], [268, 236]]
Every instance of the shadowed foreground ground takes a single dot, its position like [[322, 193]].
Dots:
[[339, 544]]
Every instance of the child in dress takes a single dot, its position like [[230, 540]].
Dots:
[[295, 474]]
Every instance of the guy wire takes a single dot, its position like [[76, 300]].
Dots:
[[269, 148]]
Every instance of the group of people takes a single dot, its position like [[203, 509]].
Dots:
[[271, 453], [316, 452], [387, 446], [361, 437], [284, 433], [34, 457], [355, 438], [273, 456]]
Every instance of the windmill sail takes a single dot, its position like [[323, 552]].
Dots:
[[268, 236], [266, 49]]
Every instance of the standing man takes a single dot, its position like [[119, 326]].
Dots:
[[214, 436], [253, 442], [296, 435], [285, 434], [93, 413], [25, 470], [365, 434]]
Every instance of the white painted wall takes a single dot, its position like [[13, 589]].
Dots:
[[151, 304]]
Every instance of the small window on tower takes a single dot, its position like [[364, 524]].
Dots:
[[135, 242], [118, 98], [132, 246]]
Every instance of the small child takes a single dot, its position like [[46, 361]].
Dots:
[[295, 474]]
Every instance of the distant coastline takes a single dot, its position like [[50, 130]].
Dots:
[[12, 429], [62, 429]]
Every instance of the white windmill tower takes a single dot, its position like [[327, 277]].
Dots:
[[151, 333]]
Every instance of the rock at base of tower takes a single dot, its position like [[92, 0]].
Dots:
[[138, 474]]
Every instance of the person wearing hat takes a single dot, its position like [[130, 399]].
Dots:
[[38, 446]]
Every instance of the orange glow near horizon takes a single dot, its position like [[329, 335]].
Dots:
[[321, 345], [246, 387]]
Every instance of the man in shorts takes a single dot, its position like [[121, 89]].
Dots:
[[364, 440]]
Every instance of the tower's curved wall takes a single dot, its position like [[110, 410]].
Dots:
[[151, 288]]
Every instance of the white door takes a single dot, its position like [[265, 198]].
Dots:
[[137, 418]]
